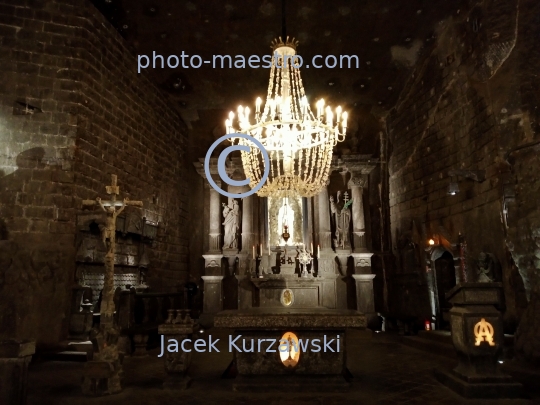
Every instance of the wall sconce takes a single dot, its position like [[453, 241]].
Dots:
[[453, 188], [475, 175]]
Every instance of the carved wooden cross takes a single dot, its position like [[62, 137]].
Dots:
[[108, 234]]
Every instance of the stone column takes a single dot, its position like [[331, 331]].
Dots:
[[214, 235], [247, 224], [365, 301], [356, 184], [361, 255], [325, 239], [326, 262]]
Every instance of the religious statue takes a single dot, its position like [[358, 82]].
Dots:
[[486, 270], [105, 338], [231, 213], [342, 219], [108, 231]]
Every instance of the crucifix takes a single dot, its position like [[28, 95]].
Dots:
[[108, 235], [105, 340]]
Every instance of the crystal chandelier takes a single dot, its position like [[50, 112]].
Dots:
[[299, 142]]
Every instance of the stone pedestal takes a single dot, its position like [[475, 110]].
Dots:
[[326, 269], [310, 369], [343, 258], [104, 374], [245, 264], [365, 301], [230, 255], [178, 327], [477, 334], [212, 300], [245, 292], [14, 359]]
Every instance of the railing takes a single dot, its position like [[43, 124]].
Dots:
[[140, 314]]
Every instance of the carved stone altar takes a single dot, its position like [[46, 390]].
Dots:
[[312, 369]]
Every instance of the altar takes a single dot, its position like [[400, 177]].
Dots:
[[313, 357], [286, 260]]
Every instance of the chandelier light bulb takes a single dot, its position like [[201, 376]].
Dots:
[[231, 116], [258, 105], [344, 123]]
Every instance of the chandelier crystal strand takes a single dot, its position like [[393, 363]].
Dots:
[[299, 141]]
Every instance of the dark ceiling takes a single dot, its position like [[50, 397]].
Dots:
[[387, 36]]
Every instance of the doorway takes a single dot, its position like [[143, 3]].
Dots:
[[445, 279]]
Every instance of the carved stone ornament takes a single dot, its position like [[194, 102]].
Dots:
[[357, 180], [287, 297], [363, 263]]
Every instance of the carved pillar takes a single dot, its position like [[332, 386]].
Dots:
[[325, 231], [326, 262], [214, 234], [356, 184], [361, 255], [247, 224]]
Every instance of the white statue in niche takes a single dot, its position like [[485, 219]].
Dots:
[[231, 213]]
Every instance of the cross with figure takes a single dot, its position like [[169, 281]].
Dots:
[[112, 208]]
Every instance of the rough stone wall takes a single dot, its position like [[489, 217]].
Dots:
[[472, 103], [96, 116]]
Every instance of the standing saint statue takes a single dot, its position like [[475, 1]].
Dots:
[[231, 215], [342, 219]]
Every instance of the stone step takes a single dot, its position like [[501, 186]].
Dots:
[[65, 356]]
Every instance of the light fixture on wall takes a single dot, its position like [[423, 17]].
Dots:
[[299, 142], [453, 188], [475, 175]]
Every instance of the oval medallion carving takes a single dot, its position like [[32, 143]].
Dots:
[[287, 297]]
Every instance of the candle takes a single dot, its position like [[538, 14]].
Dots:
[[258, 105], [311, 248], [318, 251], [254, 252]]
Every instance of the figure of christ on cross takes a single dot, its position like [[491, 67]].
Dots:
[[108, 235], [105, 340]]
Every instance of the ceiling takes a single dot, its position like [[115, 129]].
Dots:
[[387, 36]]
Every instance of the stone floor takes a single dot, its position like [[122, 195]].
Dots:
[[385, 372]]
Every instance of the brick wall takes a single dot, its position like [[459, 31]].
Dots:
[[98, 116], [468, 103]]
